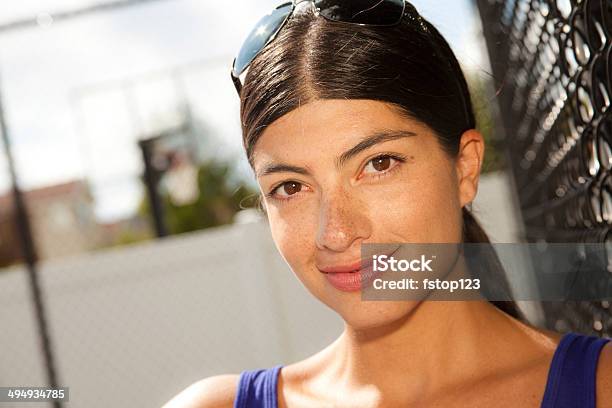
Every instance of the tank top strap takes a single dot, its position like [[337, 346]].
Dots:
[[257, 388], [571, 375]]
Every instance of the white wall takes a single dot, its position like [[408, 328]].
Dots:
[[496, 208], [133, 326]]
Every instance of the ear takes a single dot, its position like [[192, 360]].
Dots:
[[469, 162]]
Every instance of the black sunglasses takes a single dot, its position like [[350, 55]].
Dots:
[[362, 12]]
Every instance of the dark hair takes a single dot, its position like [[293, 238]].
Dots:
[[409, 65]]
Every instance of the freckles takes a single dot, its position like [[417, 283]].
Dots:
[[292, 234]]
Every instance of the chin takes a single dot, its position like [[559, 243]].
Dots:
[[362, 315]]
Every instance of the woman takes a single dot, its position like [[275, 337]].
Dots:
[[358, 124]]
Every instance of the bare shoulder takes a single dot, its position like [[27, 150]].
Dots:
[[604, 377], [212, 392]]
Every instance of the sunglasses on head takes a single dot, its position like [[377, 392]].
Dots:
[[361, 12]]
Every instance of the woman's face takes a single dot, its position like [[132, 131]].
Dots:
[[336, 174]]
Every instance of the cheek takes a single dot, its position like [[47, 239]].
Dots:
[[293, 233], [292, 236], [423, 207]]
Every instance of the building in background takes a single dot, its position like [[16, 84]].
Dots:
[[62, 221], [10, 249]]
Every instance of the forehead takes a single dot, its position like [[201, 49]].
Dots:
[[324, 127]]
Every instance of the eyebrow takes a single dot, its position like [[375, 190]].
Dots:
[[369, 141]]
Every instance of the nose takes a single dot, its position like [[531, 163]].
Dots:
[[343, 222]]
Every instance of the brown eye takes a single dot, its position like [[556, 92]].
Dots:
[[286, 189], [292, 187], [379, 164]]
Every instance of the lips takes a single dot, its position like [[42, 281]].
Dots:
[[350, 277], [351, 281], [353, 267]]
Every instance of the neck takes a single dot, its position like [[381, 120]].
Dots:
[[432, 341], [438, 345]]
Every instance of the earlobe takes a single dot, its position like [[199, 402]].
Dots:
[[469, 163]]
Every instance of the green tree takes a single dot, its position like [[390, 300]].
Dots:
[[219, 199]]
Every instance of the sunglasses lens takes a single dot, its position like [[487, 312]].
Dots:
[[265, 29], [375, 12]]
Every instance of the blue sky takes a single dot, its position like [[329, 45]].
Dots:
[[64, 84]]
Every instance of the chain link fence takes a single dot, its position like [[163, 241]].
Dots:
[[552, 63]]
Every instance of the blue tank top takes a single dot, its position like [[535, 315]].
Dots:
[[570, 384]]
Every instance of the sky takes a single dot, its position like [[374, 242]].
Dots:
[[78, 94]]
